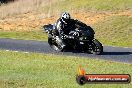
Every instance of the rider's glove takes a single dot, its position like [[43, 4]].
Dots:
[[76, 34]]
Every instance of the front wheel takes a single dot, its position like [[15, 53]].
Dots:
[[96, 47], [53, 44]]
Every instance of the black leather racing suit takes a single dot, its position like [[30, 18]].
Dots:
[[63, 28]]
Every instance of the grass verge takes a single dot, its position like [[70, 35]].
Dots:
[[115, 30], [33, 70], [57, 6], [25, 35]]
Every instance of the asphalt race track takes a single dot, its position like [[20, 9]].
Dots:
[[110, 53]]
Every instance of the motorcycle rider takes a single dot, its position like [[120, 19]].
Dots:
[[63, 26]]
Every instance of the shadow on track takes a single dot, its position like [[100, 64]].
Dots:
[[104, 53], [116, 53]]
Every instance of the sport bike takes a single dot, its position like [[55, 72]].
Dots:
[[81, 38]]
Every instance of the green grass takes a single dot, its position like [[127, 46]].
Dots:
[[26, 35], [86, 5], [34, 70], [115, 30], [57, 6]]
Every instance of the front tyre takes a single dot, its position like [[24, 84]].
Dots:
[[97, 47], [54, 45]]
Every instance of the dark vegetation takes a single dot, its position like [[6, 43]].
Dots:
[[6, 1]]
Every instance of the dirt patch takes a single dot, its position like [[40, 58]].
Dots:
[[34, 21], [28, 21], [91, 18]]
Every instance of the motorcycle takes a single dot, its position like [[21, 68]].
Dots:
[[81, 39]]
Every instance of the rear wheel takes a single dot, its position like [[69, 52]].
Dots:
[[96, 47]]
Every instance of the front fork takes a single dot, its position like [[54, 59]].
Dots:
[[59, 42]]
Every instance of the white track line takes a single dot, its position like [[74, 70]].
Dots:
[[25, 52], [7, 50], [16, 51]]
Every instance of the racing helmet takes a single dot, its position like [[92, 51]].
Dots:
[[65, 16]]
